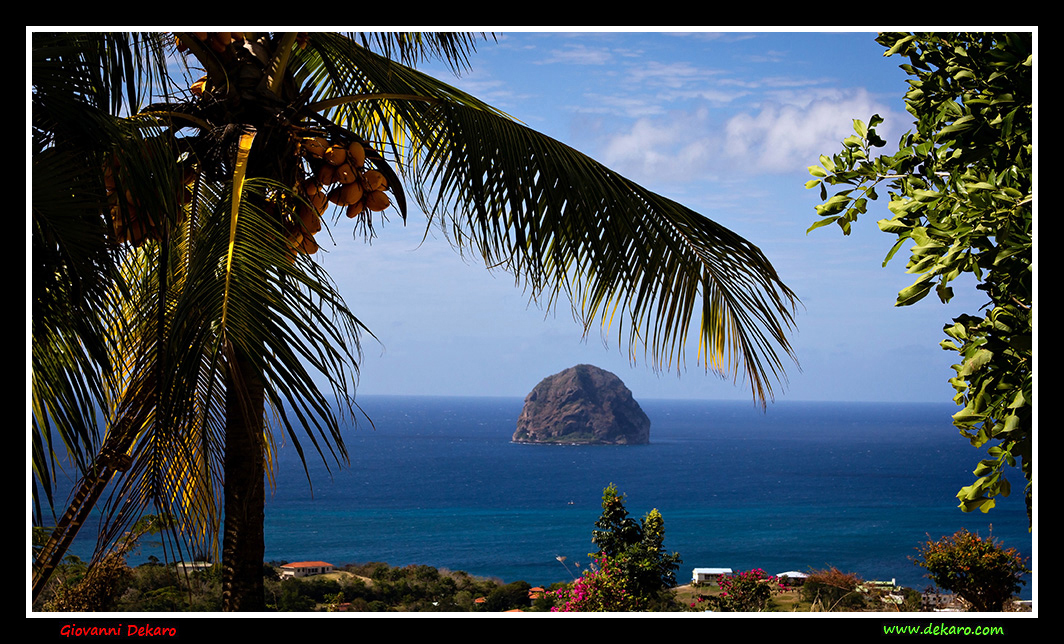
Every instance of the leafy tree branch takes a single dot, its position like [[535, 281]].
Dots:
[[960, 192]]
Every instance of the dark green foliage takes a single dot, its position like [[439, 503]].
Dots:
[[414, 588], [373, 587], [637, 547], [292, 599], [505, 597]]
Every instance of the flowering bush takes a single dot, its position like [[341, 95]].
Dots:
[[744, 591], [602, 588], [979, 570]]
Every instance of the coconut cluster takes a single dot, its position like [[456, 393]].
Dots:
[[339, 177]]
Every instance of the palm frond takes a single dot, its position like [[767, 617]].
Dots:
[[114, 72], [72, 253], [225, 288], [564, 224], [412, 48], [569, 226]]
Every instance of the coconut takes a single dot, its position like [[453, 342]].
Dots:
[[374, 180], [356, 154], [354, 210], [320, 202], [345, 174], [310, 220], [315, 145], [377, 200], [327, 175], [352, 193], [335, 155]]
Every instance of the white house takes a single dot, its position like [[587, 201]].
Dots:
[[191, 566], [792, 578], [708, 575], [305, 568]]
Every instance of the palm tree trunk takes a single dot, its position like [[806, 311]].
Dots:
[[89, 490], [243, 545]]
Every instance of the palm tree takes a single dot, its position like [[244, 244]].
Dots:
[[215, 312]]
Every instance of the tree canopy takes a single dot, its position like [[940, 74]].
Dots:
[[982, 571], [961, 195], [636, 548]]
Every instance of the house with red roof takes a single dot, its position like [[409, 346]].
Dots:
[[305, 568]]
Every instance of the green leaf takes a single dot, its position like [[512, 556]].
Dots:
[[968, 415], [982, 504], [893, 249], [963, 123], [945, 293], [976, 361], [833, 205], [853, 141], [820, 224], [898, 46], [894, 226], [926, 195], [957, 331], [914, 293], [860, 127]]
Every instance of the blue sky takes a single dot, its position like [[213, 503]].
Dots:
[[725, 123]]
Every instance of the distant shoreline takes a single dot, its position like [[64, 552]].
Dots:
[[521, 397]]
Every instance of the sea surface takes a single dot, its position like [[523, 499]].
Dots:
[[798, 486]]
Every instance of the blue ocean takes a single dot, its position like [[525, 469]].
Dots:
[[798, 486]]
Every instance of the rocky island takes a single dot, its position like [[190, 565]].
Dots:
[[582, 405]]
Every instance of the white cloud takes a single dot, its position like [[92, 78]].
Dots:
[[784, 136], [661, 148], [579, 54], [785, 133]]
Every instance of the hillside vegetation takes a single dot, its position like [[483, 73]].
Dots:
[[378, 587]]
